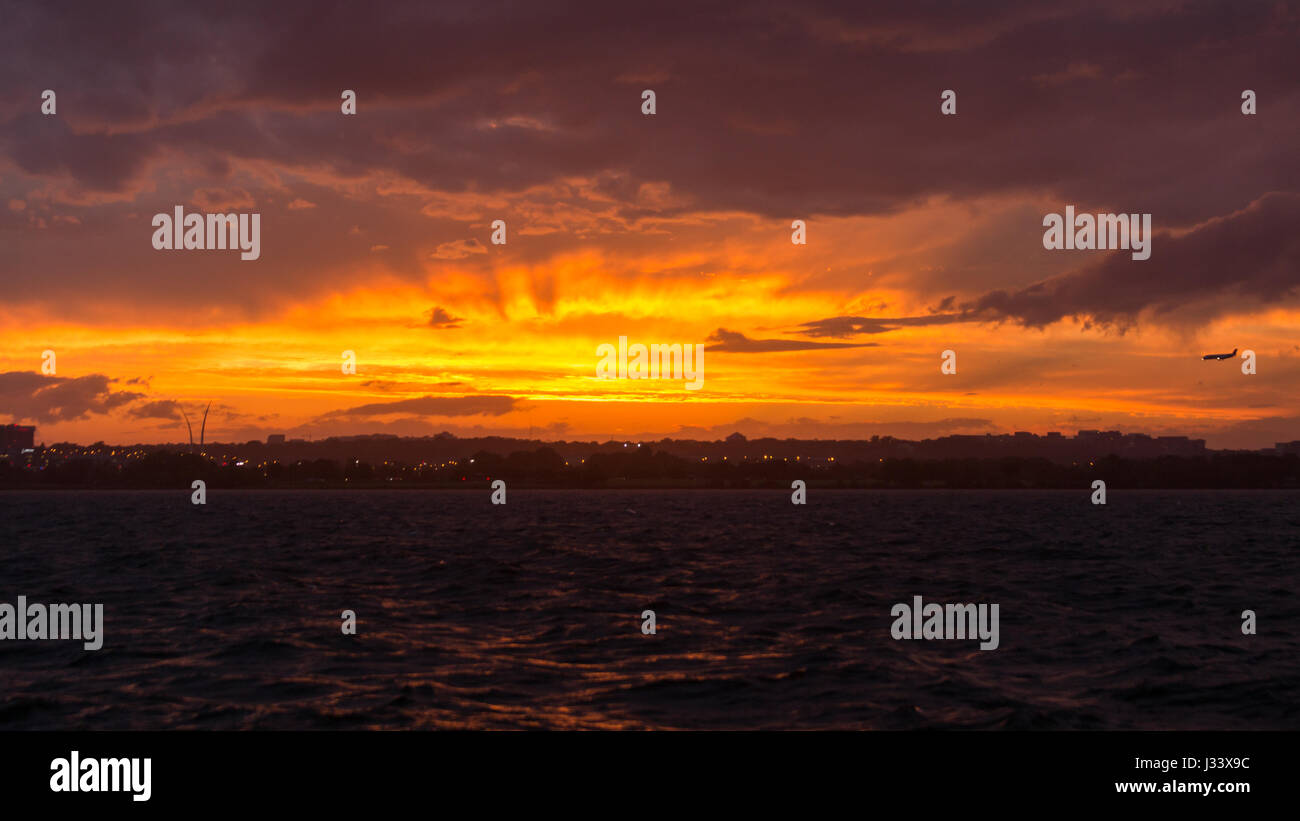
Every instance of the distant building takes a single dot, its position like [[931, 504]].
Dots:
[[16, 438], [275, 439], [1288, 447]]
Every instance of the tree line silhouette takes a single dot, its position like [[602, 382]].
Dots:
[[648, 467]]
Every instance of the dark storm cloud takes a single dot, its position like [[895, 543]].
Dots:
[[735, 342], [842, 327], [160, 409], [26, 395], [775, 109], [439, 318], [1243, 260], [433, 406], [771, 108]]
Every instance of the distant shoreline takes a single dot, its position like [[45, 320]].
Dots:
[[995, 463], [483, 488]]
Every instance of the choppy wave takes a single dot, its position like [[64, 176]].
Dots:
[[770, 615]]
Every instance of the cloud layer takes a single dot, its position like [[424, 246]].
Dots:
[[924, 230]]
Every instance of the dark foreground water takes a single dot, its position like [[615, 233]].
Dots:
[[769, 615]]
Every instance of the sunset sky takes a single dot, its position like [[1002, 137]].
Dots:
[[924, 231]]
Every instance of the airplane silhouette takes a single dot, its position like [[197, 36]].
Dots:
[[1220, 355]]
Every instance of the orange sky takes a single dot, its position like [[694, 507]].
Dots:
[[375, 238]]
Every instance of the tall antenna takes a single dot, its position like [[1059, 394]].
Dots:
[[204, 426]]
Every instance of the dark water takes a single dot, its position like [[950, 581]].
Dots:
[[770, 615]]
